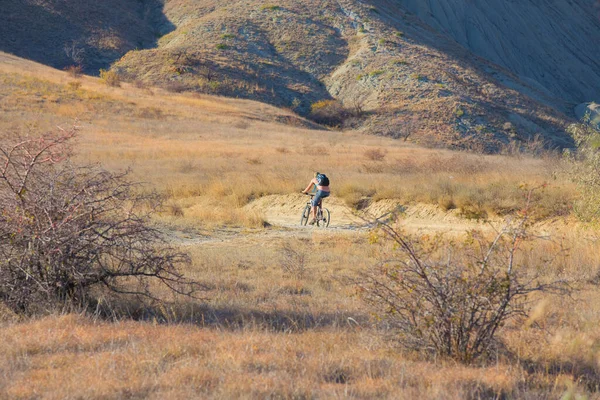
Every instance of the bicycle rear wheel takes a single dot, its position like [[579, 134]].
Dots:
[[305, 215], [324, 222]]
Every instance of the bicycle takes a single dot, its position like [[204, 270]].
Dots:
[[323, 214]]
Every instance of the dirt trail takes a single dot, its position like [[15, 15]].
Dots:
[[283, 212]]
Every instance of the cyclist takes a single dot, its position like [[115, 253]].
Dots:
[[320, 183]]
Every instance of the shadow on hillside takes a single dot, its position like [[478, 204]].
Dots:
[[90, 34], [229, 318]]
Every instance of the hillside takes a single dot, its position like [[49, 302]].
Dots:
[[405, 68], [63, 33], [555, 47], [408, 77]]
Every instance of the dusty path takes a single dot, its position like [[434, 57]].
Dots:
[[283, 212]]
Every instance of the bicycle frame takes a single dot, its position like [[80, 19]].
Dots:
[[323, 214]]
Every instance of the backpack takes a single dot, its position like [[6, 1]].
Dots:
[[322, 180]]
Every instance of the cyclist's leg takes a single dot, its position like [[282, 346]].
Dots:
[[315, 202]]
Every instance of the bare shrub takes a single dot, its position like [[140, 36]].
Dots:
[[375, 154], [68, 232], [254, 161], [111, 78], [453, 301], [74, 85], [293, 261], [75, 51], [333, 112], [175, 87], [74, 70]]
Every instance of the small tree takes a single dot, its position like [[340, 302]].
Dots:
[[66, 231], [453, 302]]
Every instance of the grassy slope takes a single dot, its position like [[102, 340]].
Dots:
[[267, 330], [405, 75]]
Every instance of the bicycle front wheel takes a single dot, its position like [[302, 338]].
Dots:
[[305, 215], [324, 221]]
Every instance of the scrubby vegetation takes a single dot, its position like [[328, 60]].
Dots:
[[282, 311], [68, 232]]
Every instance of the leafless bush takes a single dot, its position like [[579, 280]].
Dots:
[[74, 70], [375, 154], [293, 261], [75, 51], [68, 232], [175, 87], [401, 129], [333, 112], [452, 302]]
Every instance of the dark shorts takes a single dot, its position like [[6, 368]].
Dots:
[[318, 197]]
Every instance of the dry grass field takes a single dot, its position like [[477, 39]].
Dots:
[[280, 317]]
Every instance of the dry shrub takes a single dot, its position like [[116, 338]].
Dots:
[[74, 85], [67, 232], [375, 154], [110, 78], [74, 70], [254, 161], [175, 87], [329, 112], [453, 301], [584, 171], [293, 261]]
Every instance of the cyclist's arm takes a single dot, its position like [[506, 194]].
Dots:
[[310, 185]]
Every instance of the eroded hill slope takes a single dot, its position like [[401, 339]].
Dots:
[[407, 77], [554, 44], [461, 79]]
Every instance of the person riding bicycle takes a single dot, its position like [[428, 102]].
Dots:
[[320, 184]]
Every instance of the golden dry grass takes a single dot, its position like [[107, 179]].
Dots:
[[267, 333], [275, 325], [223, 153]]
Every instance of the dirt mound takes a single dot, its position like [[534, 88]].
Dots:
[[286, 210]]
